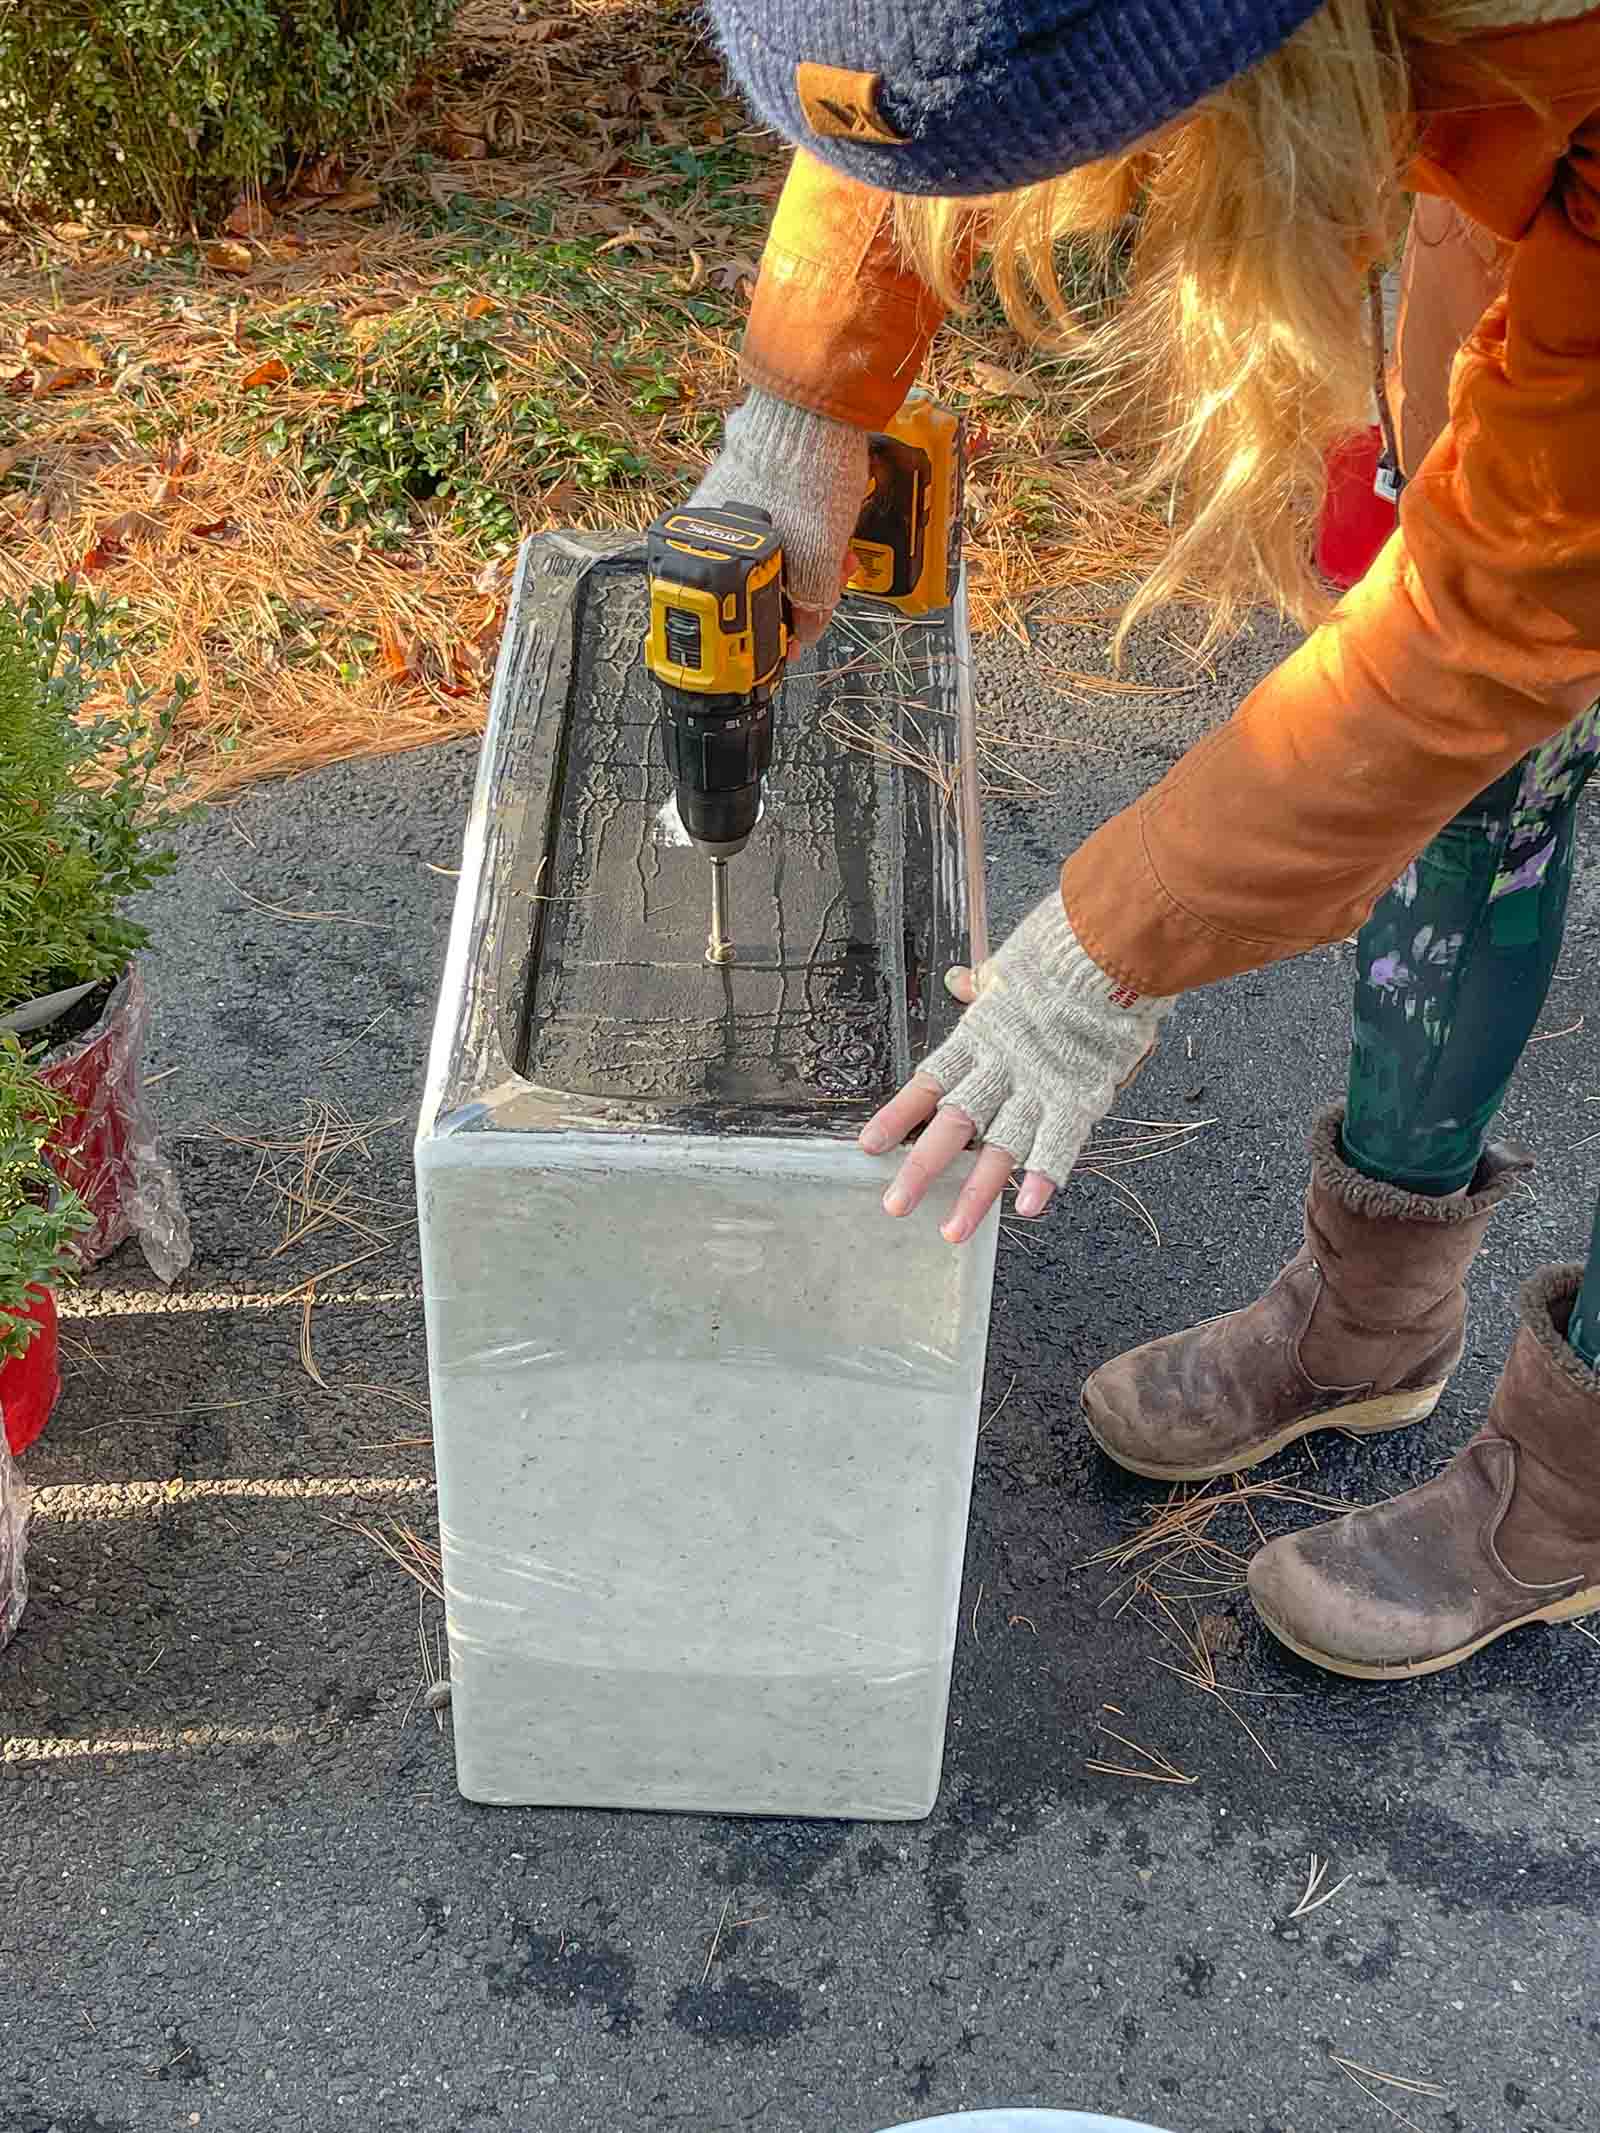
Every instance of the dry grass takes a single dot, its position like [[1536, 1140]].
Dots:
[[550, 250]]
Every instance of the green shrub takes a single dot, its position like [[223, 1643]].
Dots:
[[39, 1216], [77, 830], [146, 110]]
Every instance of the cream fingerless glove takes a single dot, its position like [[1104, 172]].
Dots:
[[810, 473], [1037, 1059]]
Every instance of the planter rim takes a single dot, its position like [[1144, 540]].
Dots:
[[46, 1008]]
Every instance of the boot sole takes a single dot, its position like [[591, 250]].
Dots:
[[1362, 1418], [1586, 1602]]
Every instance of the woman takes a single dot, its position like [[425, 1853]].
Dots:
[[1238, 164]]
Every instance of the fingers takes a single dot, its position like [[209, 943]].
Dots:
[[918, 1100], [806, 625], [948, 1136], [1034, 1195], [990, 1174], [961, 984], [929, 1159]]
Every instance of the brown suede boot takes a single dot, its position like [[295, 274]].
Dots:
[[1359, 1332], [1508, 1533]]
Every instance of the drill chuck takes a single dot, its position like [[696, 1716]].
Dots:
[[718, 750]]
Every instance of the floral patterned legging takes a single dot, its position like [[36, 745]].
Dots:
[[1452, 970]]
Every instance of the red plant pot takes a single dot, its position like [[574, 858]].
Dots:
[[1356, 520], [30, 1383]]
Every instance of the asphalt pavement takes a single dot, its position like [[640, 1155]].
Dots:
[[240, 1889]]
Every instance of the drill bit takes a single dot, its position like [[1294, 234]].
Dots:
[[719, 949]]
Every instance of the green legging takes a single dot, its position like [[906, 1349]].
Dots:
[[1452, 970]]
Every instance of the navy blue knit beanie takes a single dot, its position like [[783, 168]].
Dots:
[[981, 96]]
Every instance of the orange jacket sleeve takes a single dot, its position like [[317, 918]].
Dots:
[[1475, 637], [838, 323]]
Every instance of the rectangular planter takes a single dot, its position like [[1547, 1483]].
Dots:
[[705, 1419]]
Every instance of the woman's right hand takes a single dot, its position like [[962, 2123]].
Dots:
[[810, 474]]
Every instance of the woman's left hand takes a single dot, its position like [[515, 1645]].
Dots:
[[1031, 1068]]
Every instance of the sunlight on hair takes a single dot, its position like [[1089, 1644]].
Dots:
[[1217, 312]]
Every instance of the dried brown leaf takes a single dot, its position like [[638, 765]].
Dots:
[[104, 551], [46, 382], [251, 217], [217, 530], [323, 178], [274, 371], [228, 256], [399, 653], [354, 200], [732, 274], [481, 307], [128, 526], [60, 351], [459, 145], [177, 457]]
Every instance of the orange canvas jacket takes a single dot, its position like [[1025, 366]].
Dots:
[[1474, 637]]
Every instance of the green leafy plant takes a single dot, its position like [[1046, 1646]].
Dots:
[[39, 1216], [143, 110], [81, 828], [434, 400]]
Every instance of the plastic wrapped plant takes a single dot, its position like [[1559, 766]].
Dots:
[[39, 1216], [39, 1219], [83, 827]]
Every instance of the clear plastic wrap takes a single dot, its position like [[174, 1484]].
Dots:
[[107, 1147], [13, 1545]]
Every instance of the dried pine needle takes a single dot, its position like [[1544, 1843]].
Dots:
[[404, 1546], [1314, 1895], [1174, 1552], [311, 1199], [1152, 1767], [1362, 2076]]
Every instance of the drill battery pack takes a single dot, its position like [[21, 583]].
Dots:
[[907, 539]]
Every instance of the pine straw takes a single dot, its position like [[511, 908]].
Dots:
[[150, 464], [1174, 1557], [405, 1547], [309, 1174]]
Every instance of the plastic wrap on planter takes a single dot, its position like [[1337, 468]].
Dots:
[[704, 1420], [13, 1545], [106, 1147]]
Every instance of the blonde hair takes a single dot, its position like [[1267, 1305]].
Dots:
[[1225, 333]]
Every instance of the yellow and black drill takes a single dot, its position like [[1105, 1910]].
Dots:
[[719, 623]]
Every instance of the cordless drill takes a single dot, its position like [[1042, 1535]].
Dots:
[[719, 623]]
